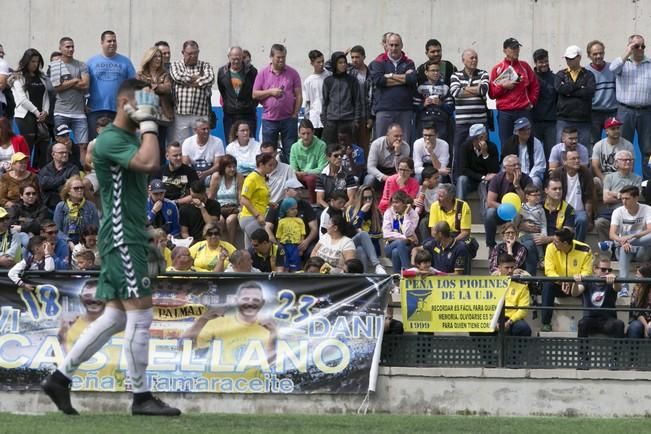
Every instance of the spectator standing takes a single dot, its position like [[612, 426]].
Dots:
[[604, 101], [235, 82], [11, 144], [281, 174], [362, 73], [543, 113], [164, 48], [313, 91], [290, 233], [255, 197], [342, 100], [434, 53], [433, 101]]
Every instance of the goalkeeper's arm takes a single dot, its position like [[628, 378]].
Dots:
[[147, 159]]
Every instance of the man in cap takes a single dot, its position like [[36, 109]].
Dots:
[[162, 212], [632, 82], [514, 86], [529, 150], [575, 86], [479, 163], [603, 153]]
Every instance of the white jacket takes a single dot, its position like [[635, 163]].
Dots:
[[21, 96]]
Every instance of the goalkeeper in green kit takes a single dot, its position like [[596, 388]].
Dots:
[[122, 162]]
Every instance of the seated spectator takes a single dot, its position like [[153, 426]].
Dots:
[[612, 187], [510, 246], [366, 220], [290, 233], [449, 255], [313, 265], [336, 206], [54, 174], [517, 294], [240, 262], [334, 247], [334, 177], [281, 174], [454, 211], [255, 197], [433, 101], [226, 188], [74, 213], [353, 266], [182, 261], [558, 214], [529, 149], [196, 214], [353, 160], [564, 257], [640, 323], [427, 195], [509, 180], [243, 147], [533, 214], [305, 212], [479, 163], [578, 191], [630, 229], [399, 226], [570, 142], [422, 265], [161, 242], [401, 181], [86, 261], [14, 179], [308, 157], [176, 176], [11, 144], [28, 212], [39, 257], [62, 136], [87, 242], [599, 295], [383, 156], [202, 150], [430, 151], [211, 255], [10, 244], [604, 152], [267, 257], [59, 243], [161, 212]]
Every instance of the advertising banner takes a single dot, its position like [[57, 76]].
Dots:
[[263, 334], [452, 303]]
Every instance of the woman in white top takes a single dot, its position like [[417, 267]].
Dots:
[[243, 147], [225, 188], [334, 247]]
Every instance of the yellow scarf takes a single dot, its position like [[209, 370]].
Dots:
[[74, 208]]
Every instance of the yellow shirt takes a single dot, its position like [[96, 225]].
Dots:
[[436, 214], [291, 230], [577, 261], [256, 190], [205, 258]]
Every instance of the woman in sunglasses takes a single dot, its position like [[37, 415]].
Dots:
[[211, 255], [364, 216], [74, 213], [28, 211]]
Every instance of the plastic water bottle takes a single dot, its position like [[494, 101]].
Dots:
[[572, 324]]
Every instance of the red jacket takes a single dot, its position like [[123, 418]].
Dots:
[[20, 145], [525, 91]]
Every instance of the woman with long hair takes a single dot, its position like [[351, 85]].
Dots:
[[225, 188], [11, 144], [243, 147], [74, 213], [29, 211], [334, 247], [364, 216], [255, 197], [640, 322], [29, 86], [401, 181]]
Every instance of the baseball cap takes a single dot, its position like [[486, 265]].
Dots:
[[521, 123], [294, 183], [511, 43], [3, 213], [572, 51], [62, 130], [612, 122], [157, 186], [476, 130], [18, 156]]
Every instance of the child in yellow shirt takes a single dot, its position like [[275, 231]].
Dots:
[[290, 233]]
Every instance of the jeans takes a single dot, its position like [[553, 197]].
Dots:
[[635, 329], [288, 130], [639, 254], [550, 291], [184, 127], [332, 128], [598, 119], [506, 119], [28, 127], [584, 130], [460, 136], [79, 127], [92, 122], [580, 225], [385, 118], [365, 250], [637, 120], [398, 251], [545, 131], [465, 185], [519, 328], [491, 222]]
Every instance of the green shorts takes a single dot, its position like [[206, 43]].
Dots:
[[124, 274]]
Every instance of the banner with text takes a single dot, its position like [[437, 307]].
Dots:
[[452, 303], [285, 334]]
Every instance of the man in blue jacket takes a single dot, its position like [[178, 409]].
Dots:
[[161, 212]]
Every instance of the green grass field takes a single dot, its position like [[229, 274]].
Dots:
[[269, 424]]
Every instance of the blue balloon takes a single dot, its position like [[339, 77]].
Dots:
[[507, 212]]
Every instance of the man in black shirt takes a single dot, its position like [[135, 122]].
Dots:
[[267, 257], [177, 176], [198, 212]]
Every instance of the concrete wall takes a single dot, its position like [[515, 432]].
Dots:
[[332, 24]]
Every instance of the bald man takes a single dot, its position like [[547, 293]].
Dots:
[[235, 82]]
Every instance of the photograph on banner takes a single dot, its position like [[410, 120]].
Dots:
[[226, 335], [452, 303]]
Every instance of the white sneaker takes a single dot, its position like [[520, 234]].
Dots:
[[379, 269]]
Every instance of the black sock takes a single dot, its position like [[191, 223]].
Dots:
[[59, 378], [139, 398]]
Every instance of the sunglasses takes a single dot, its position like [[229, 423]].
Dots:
[[638, 46], [213, 233], [77, 188], [30, 193], [336, 156], [605, 270], [368, 198]]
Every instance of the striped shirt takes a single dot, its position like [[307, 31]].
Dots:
[[604, 95], [632, 81], [190, 100], [470, 109]]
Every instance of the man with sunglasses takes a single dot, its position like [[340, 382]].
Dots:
[[632, 84], [333, 177]]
